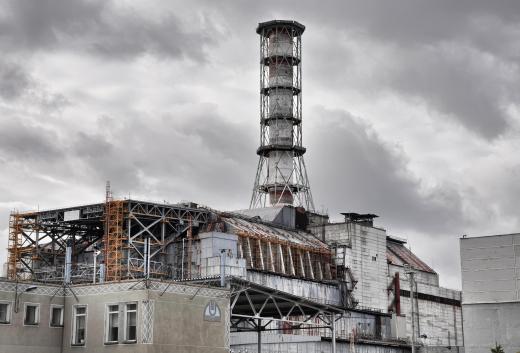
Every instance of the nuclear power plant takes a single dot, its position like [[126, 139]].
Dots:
[[126, 274]]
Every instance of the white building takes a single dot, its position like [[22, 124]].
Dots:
[[491, 292]]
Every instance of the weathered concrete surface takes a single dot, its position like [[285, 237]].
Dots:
[[485, 324], [365, 255], [176, 319], [491, 292], [490, 268], [17, 338]]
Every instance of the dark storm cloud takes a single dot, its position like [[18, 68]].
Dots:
[[13, 80], [362, 174], [102, 28], [183, 155], [23, 141], [457, 82], [459, 58]]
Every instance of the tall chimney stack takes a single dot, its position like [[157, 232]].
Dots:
[[281, 177]]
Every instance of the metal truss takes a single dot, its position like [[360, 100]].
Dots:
[[255, 308], [150, 229], [38, 240], [281, 119], [250, 303]]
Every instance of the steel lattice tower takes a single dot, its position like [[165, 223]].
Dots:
[[281, 176]]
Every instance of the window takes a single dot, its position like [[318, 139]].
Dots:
[[56, 316], [79, 325], [112, 324], [131, 322], [5, 313], [32, 314]]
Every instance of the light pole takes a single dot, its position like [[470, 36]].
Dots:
[[411, 273], [96, 254]]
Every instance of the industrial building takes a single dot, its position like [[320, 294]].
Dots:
[[277, 277], [491, 292]]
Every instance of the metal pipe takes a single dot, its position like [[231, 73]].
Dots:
[[333, 328], [68, 263], [102, 273], [94, 276], [411, 274], [145, 262], [259, 330], [148, 260], [182, 260], [222, 267], [397, 288], [190, 234]]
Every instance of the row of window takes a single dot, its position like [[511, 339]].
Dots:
[[116, 315], [31, 316]]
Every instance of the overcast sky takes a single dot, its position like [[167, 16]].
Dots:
[[410, 109]]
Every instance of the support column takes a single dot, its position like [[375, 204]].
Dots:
[[260, 254], [259, 330], [333, 328], [302, 266], [282, 262], [291, 262], [271, 257], [311, 270]]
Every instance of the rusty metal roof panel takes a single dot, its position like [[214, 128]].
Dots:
[[398, 254], [272, 231]]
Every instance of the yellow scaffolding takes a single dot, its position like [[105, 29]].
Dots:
[[114, 217], [15, 245]]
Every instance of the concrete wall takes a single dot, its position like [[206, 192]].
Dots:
[[431, 279], [365, 255], [170, 318], [317, 291], [15, 337], [369, 266], [490, 268], [441, 323], [485, 324], [491, 292], [176, 318]]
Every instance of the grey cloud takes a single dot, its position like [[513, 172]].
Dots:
[[459, 58], [362, 174], [182, 154], [458, 82], [101, 28], [22, 141], [13, 80]]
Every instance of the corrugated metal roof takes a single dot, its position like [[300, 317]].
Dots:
[[270, 231], [398, 254]]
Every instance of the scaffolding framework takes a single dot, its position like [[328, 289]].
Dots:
[[134, 236], [114, 236]]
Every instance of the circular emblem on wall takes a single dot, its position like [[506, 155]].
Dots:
[[212, 311]]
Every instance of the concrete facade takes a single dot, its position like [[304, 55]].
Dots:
[[15, 336], [363, 248], [169, 317], [491, 292]]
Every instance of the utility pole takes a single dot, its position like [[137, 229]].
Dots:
[[411, 275]]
